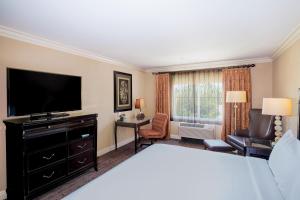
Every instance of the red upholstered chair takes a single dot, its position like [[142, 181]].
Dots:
[[159, 128]]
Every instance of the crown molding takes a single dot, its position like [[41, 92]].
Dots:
[[210, 65], [291, 39], [40, 41]]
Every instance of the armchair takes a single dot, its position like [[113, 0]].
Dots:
[[260, 128], [158, 130]]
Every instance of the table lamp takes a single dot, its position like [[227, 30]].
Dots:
[[235, 97], [278, 107], [139, 104]]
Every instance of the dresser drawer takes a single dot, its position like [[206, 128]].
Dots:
[[44, 141], [80, 133], [47, 157], [46, 176], [81, 160], [81, 146]]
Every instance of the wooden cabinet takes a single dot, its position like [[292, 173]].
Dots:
[[42, 154]]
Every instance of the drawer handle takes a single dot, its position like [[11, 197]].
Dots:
[[50, 157], [82, 161], [85, 135], [82, 146], [49, 176]]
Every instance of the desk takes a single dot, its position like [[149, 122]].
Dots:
[[135, 124]]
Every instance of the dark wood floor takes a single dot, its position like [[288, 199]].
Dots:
[[105, 163]]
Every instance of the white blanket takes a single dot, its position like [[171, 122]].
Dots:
[[166, 172]]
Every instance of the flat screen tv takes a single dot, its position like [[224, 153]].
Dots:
[[30, 92]]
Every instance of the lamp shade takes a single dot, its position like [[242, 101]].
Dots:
[[236, 97], [277, 106], [139, 103]]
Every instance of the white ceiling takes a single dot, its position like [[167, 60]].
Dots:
[[155, 33]]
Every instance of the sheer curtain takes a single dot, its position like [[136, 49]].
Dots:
[[197, 96]]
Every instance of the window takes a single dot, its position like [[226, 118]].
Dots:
[[197, 96]]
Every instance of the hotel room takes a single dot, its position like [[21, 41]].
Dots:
[[149, 100]]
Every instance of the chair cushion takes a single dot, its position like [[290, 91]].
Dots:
[[217, 145], [261, 126], [160, 123], [150, 133]]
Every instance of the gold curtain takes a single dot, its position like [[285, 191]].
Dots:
[[233, 80], [163, 96]]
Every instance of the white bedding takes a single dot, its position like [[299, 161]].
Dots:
[[166, 172]]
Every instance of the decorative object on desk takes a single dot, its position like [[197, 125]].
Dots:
[[236, 97], [278, 107], [122, 117], [139, 104], [122, 91]]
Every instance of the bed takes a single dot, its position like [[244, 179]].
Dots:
[[163, 172]]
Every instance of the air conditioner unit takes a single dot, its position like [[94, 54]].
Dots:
[[197, 131]]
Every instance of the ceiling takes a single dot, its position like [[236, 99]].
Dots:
[[156, 33]]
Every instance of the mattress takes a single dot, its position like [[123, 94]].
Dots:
[[163, 172]]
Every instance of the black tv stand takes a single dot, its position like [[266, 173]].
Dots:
[[47, 116], [40, 155]]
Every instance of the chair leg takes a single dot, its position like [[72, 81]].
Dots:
[[147, 144]]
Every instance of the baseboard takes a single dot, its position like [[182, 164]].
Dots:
[[177, 137], [112, 147], [124, 142], [3, 195]]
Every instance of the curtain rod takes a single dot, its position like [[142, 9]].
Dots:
[[205, 69]]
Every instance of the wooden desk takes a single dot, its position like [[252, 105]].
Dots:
[[135, 124]]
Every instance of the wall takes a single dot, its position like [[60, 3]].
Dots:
[[286, 81], [97, 87], [261, 77]]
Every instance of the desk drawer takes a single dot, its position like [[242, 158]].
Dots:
[[47, 157], [46, 176], [81, 160]]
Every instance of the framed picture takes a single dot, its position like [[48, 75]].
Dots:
[[122, 91]]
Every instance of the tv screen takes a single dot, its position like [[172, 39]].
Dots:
[[30, 92]]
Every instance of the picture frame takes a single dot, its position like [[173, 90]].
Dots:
[[122, 91]]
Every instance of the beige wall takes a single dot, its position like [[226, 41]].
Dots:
[[286, 81], [97, 87], [261, 77]]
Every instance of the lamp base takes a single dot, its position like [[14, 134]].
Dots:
[[140, 116], [278, 128]]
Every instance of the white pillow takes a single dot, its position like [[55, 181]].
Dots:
[[285, 164]]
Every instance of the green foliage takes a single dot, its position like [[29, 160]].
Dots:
[[199, 102]]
